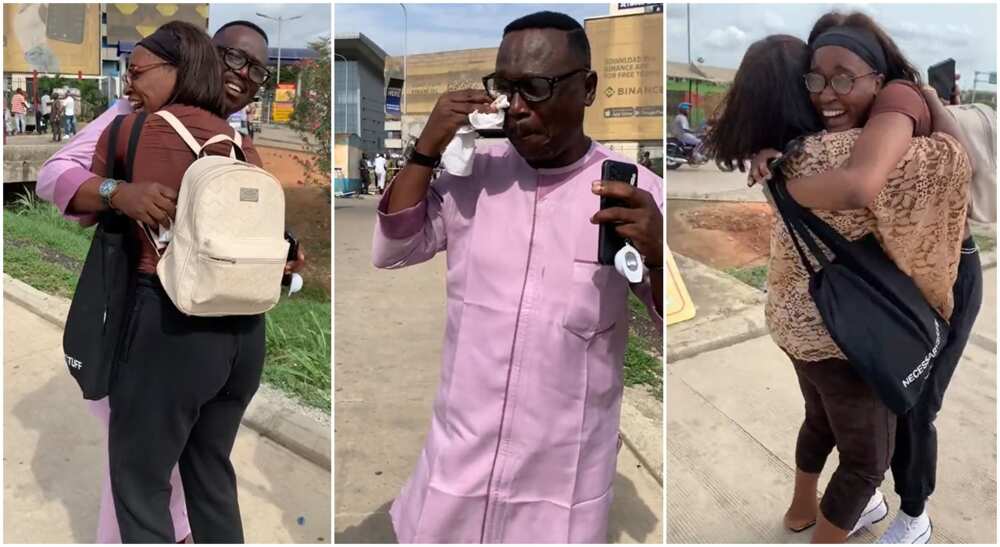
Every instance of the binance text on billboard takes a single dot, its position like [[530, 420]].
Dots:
[[627, 53]]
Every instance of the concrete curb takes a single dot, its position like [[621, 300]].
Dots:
[[742, 319], [734, 326], [641, 428], [303, 431]]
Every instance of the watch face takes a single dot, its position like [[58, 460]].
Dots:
[[107, 187]]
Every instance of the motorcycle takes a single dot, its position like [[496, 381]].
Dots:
[[678, 154]]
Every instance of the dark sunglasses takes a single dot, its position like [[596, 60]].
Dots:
[[535, 89], [236, 59], [842, 84]]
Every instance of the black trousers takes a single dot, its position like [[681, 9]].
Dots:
[[180, 390], [914, 462]]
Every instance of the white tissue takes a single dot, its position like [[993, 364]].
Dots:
[[458, 155], [295, 285]]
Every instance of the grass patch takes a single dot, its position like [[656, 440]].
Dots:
[[755, 276], [47, 251], [985, 243], [298, 347], [643, 368]]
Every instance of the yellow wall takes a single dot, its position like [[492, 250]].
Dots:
[[52, 38]]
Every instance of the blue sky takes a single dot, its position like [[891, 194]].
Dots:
[[443, 27], [927, 33], [315, 21]]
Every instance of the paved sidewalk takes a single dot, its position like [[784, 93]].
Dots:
[[389, 330], [54, 451], [707, 182], [732, 418]]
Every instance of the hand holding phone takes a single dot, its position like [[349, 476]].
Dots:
[[293, 255], [941, 77], [609, 242]]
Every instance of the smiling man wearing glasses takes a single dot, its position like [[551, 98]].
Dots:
[[524, 436]]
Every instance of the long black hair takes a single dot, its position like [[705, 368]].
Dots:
[[767, 105]]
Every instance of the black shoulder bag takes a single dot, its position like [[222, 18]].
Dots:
[[99, 310], [874, 312]]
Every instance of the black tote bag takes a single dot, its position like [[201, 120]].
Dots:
[[874, 312], [99, 309]]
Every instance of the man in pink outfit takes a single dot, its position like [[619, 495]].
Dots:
[[523, 441]]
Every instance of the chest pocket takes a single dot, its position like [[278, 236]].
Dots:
[[595, 300]]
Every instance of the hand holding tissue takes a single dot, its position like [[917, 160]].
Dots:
[[458, 157]]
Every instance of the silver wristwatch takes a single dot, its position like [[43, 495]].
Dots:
[[107, 188]]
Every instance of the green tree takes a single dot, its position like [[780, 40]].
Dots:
[[312, 117]]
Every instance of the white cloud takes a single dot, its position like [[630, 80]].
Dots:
[[727, 38], [773, 23]]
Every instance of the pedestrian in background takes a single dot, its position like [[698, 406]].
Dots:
[[363, 172], [69, 114], [46, 102], [251, 111], [56, 118], [19, 106], [380, 172]]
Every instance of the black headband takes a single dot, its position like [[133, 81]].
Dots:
[[163, 43], [861, 42]]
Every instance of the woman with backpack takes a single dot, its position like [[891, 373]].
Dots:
[[918, 220], [181, 382]]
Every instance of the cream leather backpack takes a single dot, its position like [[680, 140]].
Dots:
[[227, 253]]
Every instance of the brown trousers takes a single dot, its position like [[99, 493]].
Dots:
[[842, 411]]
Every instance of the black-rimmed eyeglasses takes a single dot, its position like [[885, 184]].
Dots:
[[842, 84], [237, 59], [534, 89]]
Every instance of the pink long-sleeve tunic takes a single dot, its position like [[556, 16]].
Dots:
[[523, 442]]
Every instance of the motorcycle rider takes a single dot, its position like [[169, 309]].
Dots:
[[680, 129]]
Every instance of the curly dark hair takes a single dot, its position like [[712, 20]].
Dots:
[[767, 106]]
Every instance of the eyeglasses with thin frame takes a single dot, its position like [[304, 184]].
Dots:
[[132, 71], [534, 89], [842, 84], [237, 59]]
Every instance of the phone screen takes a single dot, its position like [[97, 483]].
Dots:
[[942, 78]]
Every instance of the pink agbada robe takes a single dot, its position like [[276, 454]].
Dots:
[[523, 441]]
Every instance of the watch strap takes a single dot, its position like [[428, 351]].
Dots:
[[423, 159]]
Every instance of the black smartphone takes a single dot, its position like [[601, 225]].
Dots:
[[608, 240], [293, 253], [941, 77]]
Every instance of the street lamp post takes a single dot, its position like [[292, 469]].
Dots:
[[280, 19], [402, 99]]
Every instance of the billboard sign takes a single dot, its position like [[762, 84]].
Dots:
[[284, 103], [627, 54], [133, 22], [429, 75], [393, 94], [52, 38]]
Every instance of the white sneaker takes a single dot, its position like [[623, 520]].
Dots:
[[875, 511], [907, 529]]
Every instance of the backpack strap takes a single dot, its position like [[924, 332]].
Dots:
[[192, 143]]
